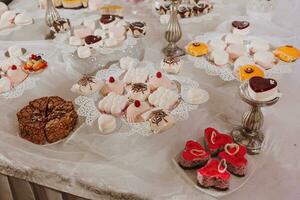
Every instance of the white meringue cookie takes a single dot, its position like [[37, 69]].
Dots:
[[196, 96], [75, 41], [15, 51], [265, 59], [107, 123], [219, 57], [5, 84], [163, 98], [259, 45], [84, 52], [128, 62], [217, 44], [242, 61], [234, 39], [23, 20], [7, 63]]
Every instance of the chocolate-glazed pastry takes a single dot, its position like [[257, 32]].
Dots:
[[138, 28], [47, 119], [240, 24], [92, 39], [106, 19], [160, 120]]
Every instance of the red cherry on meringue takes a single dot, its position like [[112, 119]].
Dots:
[[111, 79], [14, 67], [137, 103], [158, 74]]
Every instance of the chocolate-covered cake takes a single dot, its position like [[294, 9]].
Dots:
[[47, 119]]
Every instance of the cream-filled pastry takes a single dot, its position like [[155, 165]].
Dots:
[[242, 61], [113, 85], [107, 123], [163, 98], [139, 91], [113, 104], [87, 85], [15, 51], [75, 41], [240, 27], [217, 44], [5, 84], [136, 75], [160, 120], [159, 80], [16, 75], [23, 20], [171, 64], [258, 45], [235, 51], [81, 31], [219, 57], [234, 39], [135, 110], [84, 52], [264, 59], [128, 62]]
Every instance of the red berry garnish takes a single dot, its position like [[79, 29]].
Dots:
[[33, 56], [137, 103], [158, 75], [14, 67], [111, 79]]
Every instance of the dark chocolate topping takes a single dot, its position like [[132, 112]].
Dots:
[[197, 44], [92, 39], [259, 84], [249, 70], [85, 80], [139, 87], [240, 24], [59, 24], [158, 116], [106, 19], [171, 60]]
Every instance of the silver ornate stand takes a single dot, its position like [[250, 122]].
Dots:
[[51, 13], [249, 134], [173, 33]]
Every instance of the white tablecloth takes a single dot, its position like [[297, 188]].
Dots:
[[90, 165]]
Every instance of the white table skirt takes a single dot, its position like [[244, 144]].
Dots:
[[90, 165]]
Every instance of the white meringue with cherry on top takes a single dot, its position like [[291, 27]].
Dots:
[[219, 57], [160, 120], [84, 52], [171, 64], [258, 45], [15, 51], [7, 63], [242, 61], [234, 39], [139, 91], [195, 96], [159, 80], [23, 20], [136, 75], [113, 104], [217, 44], [163, 98], [75, 41], [135, 110], [107, 123], [265, 59], [87, 85], [5, 84], [16, 75], [235, 51], [113, 85], [128, 62]]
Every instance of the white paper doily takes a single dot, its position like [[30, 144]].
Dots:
[[88, 105], [18, 91]]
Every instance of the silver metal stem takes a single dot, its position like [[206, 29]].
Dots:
[[51, 13]]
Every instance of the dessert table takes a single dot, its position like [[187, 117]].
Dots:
[[119, 166]]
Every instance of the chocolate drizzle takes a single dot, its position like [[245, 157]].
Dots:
[[157, 116], [106, 19], [139, 87], [171, 60], [92, 39], [138, 26], [61, 25], [240, 24], [86, 80]]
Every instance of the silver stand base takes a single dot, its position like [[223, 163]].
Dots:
[[173, 51], [253, 140]]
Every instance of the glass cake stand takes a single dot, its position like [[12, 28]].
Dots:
[[249, 134]]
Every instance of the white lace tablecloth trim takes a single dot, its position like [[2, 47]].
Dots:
[[88, 108], [18, 91]]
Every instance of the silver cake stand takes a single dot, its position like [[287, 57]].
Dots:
[[249, 134]]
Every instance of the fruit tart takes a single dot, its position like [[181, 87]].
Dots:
[[35, 64]]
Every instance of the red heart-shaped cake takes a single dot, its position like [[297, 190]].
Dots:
[[234, 155], [262, 89], [214, 174], [193, 156], [215, 141]]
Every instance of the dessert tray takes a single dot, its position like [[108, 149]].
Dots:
[[229, 71], [88, 105], [197, 155]]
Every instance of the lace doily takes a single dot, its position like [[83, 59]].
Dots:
[[88, 107], [18, 91], [226, 72]]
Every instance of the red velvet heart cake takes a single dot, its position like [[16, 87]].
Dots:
[[214, 174], [193, 156], [234, 155], [215, 141]]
